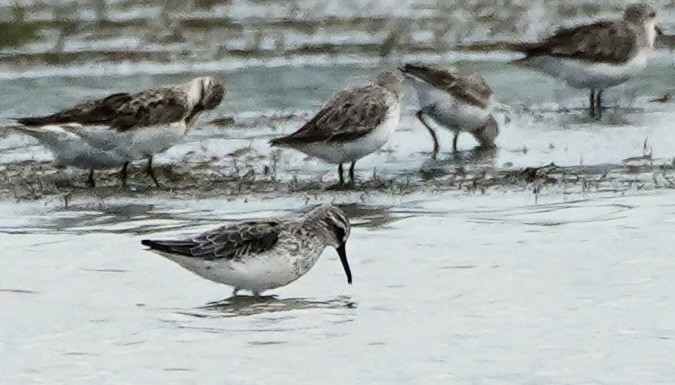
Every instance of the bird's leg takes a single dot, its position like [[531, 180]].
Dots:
[[351, 173], [235, 291], [256, 294], [123, 174], [90, 180], [420, 116], [151, 172], [592, 106], [454, 141], [598, 104], [342, 178]]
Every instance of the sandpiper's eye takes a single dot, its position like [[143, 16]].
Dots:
[[652, 14]]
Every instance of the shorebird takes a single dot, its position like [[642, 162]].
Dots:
[[263, 254], [353, 124], [69, 149], [456, 99], [140, 124], [597, 56]]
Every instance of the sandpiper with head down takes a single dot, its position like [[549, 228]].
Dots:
[[263, 254], [457, 99], [141, 124], [597, 56], [353, 124]]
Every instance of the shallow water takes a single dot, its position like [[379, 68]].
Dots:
[[450, 287], [505, 287]]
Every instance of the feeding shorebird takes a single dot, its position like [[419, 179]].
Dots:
[[353, 124], [456, 99], [597, 56], [140, 124], [263, 254]]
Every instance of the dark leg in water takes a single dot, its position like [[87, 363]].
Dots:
[[420, 116], [598, 105], [151, 172], [454, 141], [123, 174], [340, 172], [591, 109], [351, 173], [90, 180]]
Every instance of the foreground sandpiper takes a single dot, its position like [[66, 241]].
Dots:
[[597, 56], [141, 124], [353, 124], [264, 254], [456, 99]]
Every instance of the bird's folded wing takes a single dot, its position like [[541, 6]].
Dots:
[[227, 242], [604, 41], [469, 87], [122, 111], [350, 115]]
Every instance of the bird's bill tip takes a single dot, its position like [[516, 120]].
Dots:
[[345, 264]]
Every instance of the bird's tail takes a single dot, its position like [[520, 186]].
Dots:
[[36, 132], [280, 142], [36, 121]]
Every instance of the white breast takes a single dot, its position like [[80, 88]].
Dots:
[[449, 111], [588, 75]]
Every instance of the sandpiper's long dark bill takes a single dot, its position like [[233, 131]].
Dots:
[[140, 124], [263, 254], [457, 99], [597, 56], [353, 124]]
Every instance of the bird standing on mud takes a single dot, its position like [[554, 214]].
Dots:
[[140, 125], [353, 124]]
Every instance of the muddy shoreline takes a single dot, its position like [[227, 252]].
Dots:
[[34, 181]]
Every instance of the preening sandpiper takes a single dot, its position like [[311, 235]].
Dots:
[[353, 124], [457, 99], [263, 254], [140, 124], [597, 56]]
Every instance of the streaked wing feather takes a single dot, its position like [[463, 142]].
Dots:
[[160, 106], [469, 87], [350, 115], [90, 112], [227, 242], [122, 111], [603, 41]]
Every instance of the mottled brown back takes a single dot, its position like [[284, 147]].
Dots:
[[466, 86]]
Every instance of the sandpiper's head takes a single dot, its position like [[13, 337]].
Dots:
[[487, 134], [390, 80], [639, 13], [336, 223], [211, 92]]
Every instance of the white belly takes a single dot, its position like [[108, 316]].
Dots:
[[345, 152], [137, 143], [263, 272], [587, 75], [69, 149], [148, 141], [449, 111]]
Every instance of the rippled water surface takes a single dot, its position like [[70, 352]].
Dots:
[[470, 289], [453, 287]]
